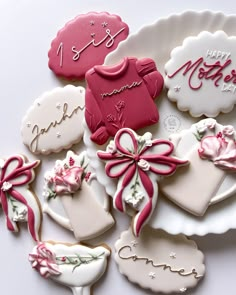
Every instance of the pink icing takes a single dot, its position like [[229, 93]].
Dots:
[[21, 175], [44, 261], [221, 151], [205, 71], [127, 164], [85, 42], [67, 180], [121, 96]]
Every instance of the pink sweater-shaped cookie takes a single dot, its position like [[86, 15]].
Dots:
[[121, 96]]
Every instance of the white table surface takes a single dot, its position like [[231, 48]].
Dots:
[[26, 30]]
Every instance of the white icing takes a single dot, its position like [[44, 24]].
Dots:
[[212, 93], [60, 51], [50, 122], [153, 248], [86, 216], [80, 278]]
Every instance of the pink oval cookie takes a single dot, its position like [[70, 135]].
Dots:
[[84, 42]]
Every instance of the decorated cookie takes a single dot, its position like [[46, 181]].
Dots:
[[77, 266], [159, 261], [54, 122], [84, 200], [84, 42], [201, 74], [121, 96], [19, 203], [211, 150], [138, 162]]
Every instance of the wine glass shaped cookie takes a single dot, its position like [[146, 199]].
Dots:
[[75, 266], [211, 150], [84, 42], [201, 74], [138, 162], [54, 121], [18, 201], [155, 258], [121, 96], [84, 200]]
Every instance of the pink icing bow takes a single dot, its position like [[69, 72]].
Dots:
[[220, 151], [68, 180], [44, 261], [142, 161], [20, 175]]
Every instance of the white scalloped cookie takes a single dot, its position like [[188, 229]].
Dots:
[[54, 121], [210, 176], [201, 74], [159, 261], [75, 266]]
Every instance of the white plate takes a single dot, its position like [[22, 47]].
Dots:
[[156, 41]]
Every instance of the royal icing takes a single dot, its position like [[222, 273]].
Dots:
[[156, 258], [75, 266], [201, 74], [121, 96], [18, 202], [73, 182], [84, 42], [138, 162], [54, 122], [211, 150]]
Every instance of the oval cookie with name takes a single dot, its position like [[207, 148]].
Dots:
[[158, 261], [54, 121], [201, 74], [84, 42]]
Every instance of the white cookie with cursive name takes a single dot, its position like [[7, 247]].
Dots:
[[158, 261], [201, 74], [54, 122]]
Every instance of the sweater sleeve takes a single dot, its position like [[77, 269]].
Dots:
[[153, 79], [94, 119]]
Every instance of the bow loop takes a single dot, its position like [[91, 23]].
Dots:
[[16, 173], [133, 158]]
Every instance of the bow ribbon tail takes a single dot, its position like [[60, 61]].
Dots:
[[4, 203], [31, 218], [118, 198], [142, 217]]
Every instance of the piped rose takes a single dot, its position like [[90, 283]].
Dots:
[[219, 150], [68, 180], [44, 261]]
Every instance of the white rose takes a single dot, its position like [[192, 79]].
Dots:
[[211, 123], [144, 165]]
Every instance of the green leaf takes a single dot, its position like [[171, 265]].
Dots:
[[82, 162], [77, 265]]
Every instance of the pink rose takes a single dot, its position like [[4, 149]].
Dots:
[[228, 130], [44, 261], [220, 151], [68, 180], [210, 147]]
